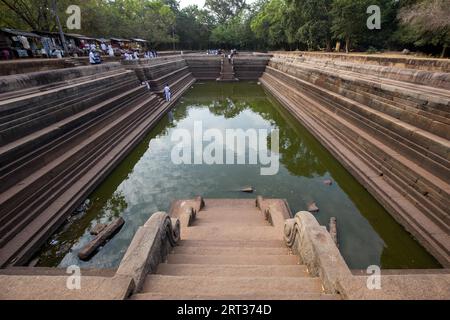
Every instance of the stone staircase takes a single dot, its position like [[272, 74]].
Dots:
[[227, 74], [230, 251], [392, 135]]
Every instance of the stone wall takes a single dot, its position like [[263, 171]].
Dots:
[[204, 67], [250, 67], [31, 65], [427, 64]]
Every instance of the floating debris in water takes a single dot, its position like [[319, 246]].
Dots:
[[101, 239], [248, 190], [328, 182], [313, 208]]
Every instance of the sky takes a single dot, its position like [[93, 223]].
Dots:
[[200, 3], [185, 3]]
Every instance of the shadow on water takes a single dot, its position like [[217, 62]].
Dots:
[[147, 181]]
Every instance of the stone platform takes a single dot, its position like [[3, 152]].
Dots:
[[226, 249]]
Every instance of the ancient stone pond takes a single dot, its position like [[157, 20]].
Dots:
[[148, 181]]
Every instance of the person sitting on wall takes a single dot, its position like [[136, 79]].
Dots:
[[167, 93], [104, 48], [110, 51], [94, 58]]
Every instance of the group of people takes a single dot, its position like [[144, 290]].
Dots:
[[134, 55], [150, 54], [131, 55], [214, 52]]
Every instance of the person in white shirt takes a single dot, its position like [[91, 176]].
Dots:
[[167, 93], [136, 55], [57, 53], [110, 51], [92, 57], [104, 48]]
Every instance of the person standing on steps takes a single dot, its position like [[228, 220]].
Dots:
[[167, 93]]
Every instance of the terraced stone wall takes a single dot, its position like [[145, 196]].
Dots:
[[204, 67], [389, 126], [250, 67], [62, 132]]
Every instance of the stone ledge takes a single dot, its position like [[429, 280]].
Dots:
[[150, 246], [55, 288]]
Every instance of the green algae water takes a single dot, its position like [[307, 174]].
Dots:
[[147, 181]]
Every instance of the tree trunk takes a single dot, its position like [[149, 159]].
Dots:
[[347, 45], [328, 45], [444, 50]]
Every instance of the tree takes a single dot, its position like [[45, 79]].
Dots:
[[427, 22], [28, 14], [313, 22], [193, 27], [224, 10], [270, 24], [349, 20]]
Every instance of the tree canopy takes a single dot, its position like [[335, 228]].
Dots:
[[262, 24]]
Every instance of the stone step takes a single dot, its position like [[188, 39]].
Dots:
[[229, 286], [226, 251], [37, 81], [23, 165], [55, 190], [425, 176], [79, 183], [251, 216], [263, 271], [231, 232], [69, 122], [33, 118], [436, 144], [34, 180], [47, 99], [56, 185], [233, 259], [299, 296], [29, 271]]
